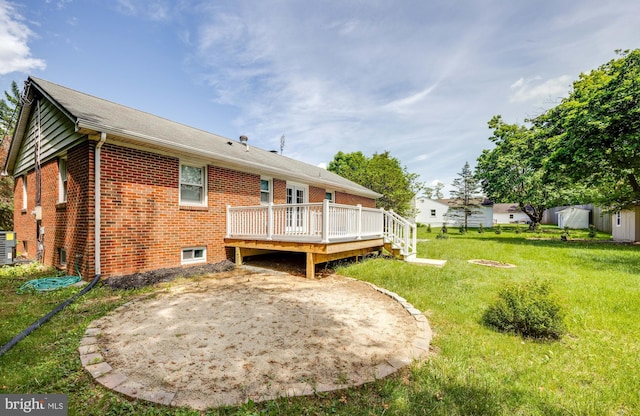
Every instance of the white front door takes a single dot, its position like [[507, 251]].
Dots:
[[296, 215]]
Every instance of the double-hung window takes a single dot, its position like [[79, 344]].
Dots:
[[62, 180], [265, 191], [25, 193], [193, 185]]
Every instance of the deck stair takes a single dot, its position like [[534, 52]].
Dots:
[[400, 239]]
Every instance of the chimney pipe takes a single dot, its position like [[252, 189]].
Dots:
[[243, 140]]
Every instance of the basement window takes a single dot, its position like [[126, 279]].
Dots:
[[62, 255], [194, 255]]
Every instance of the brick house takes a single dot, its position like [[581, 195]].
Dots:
[[121, 191]]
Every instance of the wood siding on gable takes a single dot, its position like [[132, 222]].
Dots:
[[56, 130]]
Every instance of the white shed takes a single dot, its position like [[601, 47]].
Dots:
[[573, 217], [626, 226]]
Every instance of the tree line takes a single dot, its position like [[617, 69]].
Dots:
[[586, 149]]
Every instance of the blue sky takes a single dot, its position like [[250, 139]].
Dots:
[[417, 78]]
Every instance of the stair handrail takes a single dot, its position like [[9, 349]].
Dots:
[[400, 232]]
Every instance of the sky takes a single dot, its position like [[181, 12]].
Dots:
[[418, 78]]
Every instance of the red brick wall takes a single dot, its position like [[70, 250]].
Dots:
[[348, 199], [279, 191], [316, 194], [143, 226], [66, 225]]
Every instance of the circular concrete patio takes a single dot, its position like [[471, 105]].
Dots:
[[230, 337]]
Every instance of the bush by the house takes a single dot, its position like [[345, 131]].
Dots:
[[526, 309]]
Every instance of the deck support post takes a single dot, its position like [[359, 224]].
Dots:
[[238, 256], [311, 266]]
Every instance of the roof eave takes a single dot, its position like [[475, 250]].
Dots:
[[226, 159]]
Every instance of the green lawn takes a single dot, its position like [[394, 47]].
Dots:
[[592, 370]]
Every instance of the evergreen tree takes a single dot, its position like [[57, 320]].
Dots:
[[465, 194]]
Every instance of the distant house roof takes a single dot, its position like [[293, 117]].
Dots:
[[453, 202], [506, 208], [96, 115]]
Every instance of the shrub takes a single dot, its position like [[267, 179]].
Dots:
[[526, 309], [480, 229], [498, 229], [428, 228], [444, 229], [592, 231], [462, 229], [518, 230], [442, 235]]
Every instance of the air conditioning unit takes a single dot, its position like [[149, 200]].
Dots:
[[7, 247]]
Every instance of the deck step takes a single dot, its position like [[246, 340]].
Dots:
[[427, 262]]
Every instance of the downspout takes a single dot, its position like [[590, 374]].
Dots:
[[97, 180]]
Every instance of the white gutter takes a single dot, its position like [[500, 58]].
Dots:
[[97, 197]]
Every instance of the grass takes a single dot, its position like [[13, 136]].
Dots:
[[474, 370]]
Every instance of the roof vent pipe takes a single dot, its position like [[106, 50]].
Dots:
[[244, 140]]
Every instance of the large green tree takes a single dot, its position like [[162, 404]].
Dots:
[[594, 133], [381, 173], [515, 170], [8, 113], [465, 193]]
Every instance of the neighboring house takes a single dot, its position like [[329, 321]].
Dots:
[[626, 226], [121, 191], [509, 214], [431, 211], [482, 213], [574, 217]]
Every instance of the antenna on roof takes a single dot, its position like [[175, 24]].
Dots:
[[281, 144]]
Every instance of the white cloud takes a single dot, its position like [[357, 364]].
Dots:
[[15, 54], [151, 9], [533, 90]]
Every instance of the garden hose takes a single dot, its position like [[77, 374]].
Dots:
[[50, 283], [48, 316]]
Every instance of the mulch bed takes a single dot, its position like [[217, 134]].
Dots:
[[138, 280]]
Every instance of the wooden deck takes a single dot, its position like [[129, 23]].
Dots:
[[324, 231], [316, 253]]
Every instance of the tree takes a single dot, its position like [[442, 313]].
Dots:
[[8, 110], [434, 192], [8, 114], [381, 173], [595, 132], [465, 193], [516, 171]]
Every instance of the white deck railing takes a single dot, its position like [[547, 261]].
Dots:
[[316, 222], [322, 222], [400, 233]]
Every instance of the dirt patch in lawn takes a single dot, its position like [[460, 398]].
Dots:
[[492, 263], [240, 335]]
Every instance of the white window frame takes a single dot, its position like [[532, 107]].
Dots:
[[62, 179], [192, 258], [269, 192], [203, 198], [433, 213], [618, 219], [332, 195], [62, 256], [25, 192]]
